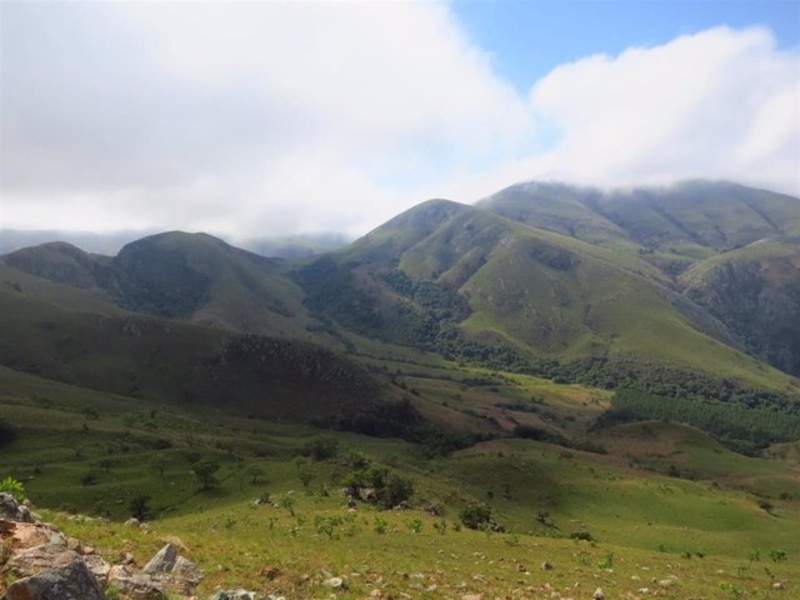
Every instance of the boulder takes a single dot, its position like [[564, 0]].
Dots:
[[13, 510], [30, 561], [136, 586], [163, 561], [72, 581]]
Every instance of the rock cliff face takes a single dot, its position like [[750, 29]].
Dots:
[[41, 563]]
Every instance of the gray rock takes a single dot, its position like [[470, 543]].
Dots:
[[31, 561], [163, 561], [235, 595], [187, 570], [98, 566], [72, 581], [136, 586], [13, 510]]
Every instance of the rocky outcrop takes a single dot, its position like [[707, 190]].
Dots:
[[73, 581], [44, 564], [12, 510]]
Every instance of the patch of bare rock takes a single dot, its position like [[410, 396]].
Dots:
[[41, 563]]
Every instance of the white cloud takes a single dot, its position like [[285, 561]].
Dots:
[[273, 118], [717, 104], [216, 115]]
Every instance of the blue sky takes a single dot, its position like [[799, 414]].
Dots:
[[528, 38], [249, 119]]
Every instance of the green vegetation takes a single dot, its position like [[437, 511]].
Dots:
[[9, 485], [555, 373], [745, 428]]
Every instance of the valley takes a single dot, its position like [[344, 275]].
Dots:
[[603, 382]]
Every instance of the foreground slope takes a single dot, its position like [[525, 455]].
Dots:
[[718, 522]]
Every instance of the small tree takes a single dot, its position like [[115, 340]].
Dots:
[[305, 473], [398, 490], [287, 501], [322, 449], [205, 470], [140, 507], [159, 464], [255, 471]]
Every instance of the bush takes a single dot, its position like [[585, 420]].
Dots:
[[398, 490], [205, 469], [581, 535], [390, 489], [11, 486], [476, 516], [139, 506], [324, 449]]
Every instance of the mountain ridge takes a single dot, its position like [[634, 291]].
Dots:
[[533, 273]]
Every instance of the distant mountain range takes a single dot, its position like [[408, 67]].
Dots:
[[689, 287], [293, 246]]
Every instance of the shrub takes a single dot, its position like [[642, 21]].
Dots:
[[323, 449], [380, 525], [415, 525], [89, 479], [139, 506], [205, 470], [581, 535], [398, 490], [476, 516], [13, 487], [328, 525]]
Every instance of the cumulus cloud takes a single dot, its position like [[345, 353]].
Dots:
[[240, 117], [720, 103], [274, 118]]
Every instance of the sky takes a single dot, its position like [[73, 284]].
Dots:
[[274, 118]]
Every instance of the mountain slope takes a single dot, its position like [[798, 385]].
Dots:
[[540, 277], [194, 277], [684, 230], [473, 285], [174, 362], [671, 226], [755, 290]]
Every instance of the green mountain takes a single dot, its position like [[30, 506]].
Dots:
[[193, 277], [684, 230], [578, 375], [180, 363], [651, 287], [473, 285]]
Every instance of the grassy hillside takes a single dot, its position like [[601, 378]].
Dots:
[[476, 287], [179, 363], [193, 277], [717, 525], [755, 291], [671, 226]]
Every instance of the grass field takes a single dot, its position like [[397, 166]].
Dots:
[[730, 531]]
